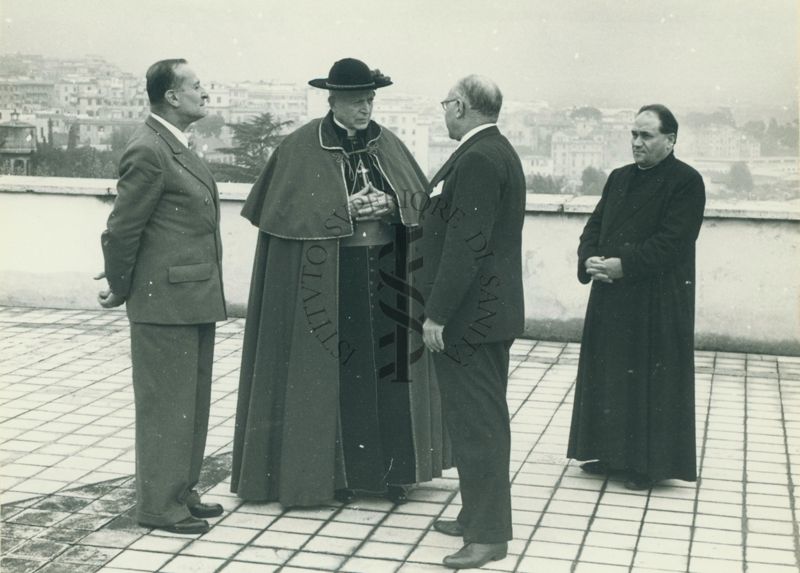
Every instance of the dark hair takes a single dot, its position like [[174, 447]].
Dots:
[[161, 78], [668, 122]]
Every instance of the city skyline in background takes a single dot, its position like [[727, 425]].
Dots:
[[722, 53], [72, 117]]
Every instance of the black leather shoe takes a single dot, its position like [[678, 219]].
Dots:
[[344, 495], [188, 526], [448, 527], [396, 494], [597, 468], [206, 510], [476, 555], [638, 482]]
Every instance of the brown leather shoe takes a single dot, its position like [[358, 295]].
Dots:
[[449, 527], [188, 526], [206, 510], [476, 555]]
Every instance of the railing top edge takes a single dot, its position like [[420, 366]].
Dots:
[[535, 202]]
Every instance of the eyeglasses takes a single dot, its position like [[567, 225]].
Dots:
[[445, 102]]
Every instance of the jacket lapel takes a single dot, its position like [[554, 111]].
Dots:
[[448, 165], [186, 158]]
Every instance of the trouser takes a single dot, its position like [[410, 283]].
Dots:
[[172, 390], [473, 383]]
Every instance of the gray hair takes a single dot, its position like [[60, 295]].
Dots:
[[482, 94], [332, 94]]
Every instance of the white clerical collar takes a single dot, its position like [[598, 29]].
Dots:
[[172, 129], [343, 126], [473, 131]]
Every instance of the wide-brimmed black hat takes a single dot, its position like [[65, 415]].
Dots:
[[350, 74]]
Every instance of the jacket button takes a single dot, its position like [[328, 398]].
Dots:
[[207, 200]]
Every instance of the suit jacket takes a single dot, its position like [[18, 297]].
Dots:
[[472, 231], [162, 245]]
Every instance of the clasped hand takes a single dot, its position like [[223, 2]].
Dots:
[[604, 269], [370, 203], [432, 335], [105, 297]]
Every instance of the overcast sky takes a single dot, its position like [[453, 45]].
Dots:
[[568, 52]]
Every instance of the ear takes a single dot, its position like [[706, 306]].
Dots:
[[171, 97]]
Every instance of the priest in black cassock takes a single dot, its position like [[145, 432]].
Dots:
[[334, 393], [634, 397]]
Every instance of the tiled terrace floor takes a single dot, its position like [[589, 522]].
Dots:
[[66, 441]]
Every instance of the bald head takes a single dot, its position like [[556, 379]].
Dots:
[[474, 100], [482, 96]]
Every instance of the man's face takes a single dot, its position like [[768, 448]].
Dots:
[[648, 144], [450, 105], [353, 109], [190, 95]]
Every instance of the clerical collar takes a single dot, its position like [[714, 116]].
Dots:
[[179, 135], [342, 126], [472, 132], [670, 154]]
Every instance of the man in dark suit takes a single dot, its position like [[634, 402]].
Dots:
[[163, 254], [474, 309]]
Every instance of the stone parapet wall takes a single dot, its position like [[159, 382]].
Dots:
[[748, 276]]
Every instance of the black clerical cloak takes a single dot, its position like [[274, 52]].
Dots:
[[288, 442], [634, 395]]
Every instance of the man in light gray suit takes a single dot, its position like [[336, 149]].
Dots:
[[163, 256]]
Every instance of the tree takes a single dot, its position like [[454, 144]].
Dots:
[[780, 139], [592, 181], [72, 137], [225, 173], [547, 184], [255, 139], [739, 178], [209, 126], [78, 162], [755, 129], [120, 137], [722, 116], [587, 112]]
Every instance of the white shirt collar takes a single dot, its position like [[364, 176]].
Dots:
[[172, 129], [473, 131]]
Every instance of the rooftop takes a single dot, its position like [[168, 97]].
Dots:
[[66, 445]]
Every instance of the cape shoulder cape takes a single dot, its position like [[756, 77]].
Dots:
[[301, 194]]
